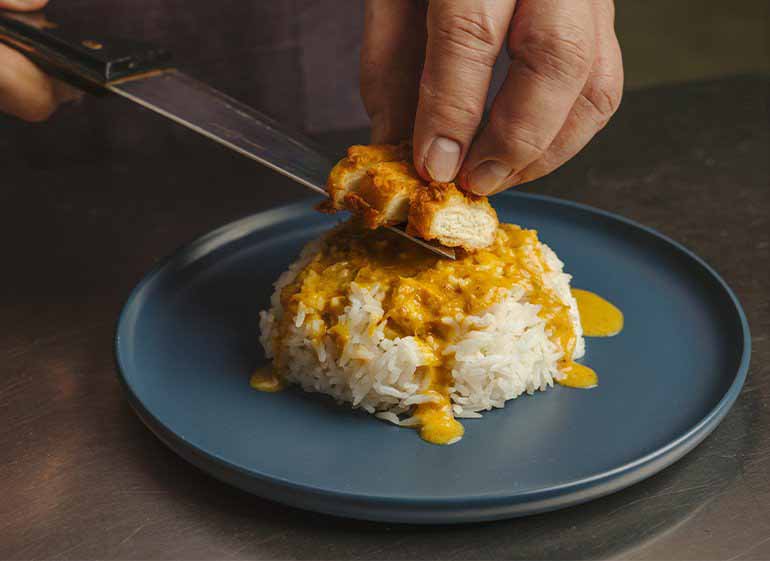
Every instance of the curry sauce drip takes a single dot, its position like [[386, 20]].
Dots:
[[598, 317], [420, 290], [578, 375], [437, 423], [436, 420], [266, 380]]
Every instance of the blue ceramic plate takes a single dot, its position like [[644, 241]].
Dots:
[[187, 341]]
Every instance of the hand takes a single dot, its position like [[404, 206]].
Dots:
[[26, 91], [564, 83]]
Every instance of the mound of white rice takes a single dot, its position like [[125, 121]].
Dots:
[[496, 355]]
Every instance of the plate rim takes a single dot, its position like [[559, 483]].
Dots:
[[476, 507]]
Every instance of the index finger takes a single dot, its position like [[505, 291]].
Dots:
[[464, 39]]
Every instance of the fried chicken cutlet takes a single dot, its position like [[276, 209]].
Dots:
[[379, 184]]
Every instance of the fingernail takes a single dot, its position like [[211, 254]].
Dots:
[[443, 159], [488, 177], [512, 181]]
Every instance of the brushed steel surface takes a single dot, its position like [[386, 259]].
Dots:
[[82, 478]]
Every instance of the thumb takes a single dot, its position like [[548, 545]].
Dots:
[[23, 5]]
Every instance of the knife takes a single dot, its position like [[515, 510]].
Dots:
[[143, 74]]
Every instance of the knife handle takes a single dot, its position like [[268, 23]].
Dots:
[[83, 60]]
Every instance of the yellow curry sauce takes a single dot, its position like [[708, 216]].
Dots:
[[421, 289], [266, 380], [598, 317]]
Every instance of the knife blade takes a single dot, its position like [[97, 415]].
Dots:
[[140, 73]]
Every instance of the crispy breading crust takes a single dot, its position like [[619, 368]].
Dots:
[[426, 204], [345, 176], [383, 195], [368, 215]]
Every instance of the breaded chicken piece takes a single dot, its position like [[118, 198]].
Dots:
[[347, 175], [382, 198], [380, 185], [454, 218]]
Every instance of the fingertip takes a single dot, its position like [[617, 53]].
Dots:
[[488, 178], [37, 113], [34, 108], [23, 5], [513, 182], [442, 158], [36, 105], [25, 90], [510, 181]]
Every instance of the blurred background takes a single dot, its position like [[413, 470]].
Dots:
[[297, 61], [669, 41]]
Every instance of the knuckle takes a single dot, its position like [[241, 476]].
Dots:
[[472, 35], [519, 141], [560, 53], [449, 109], [603, 96]]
